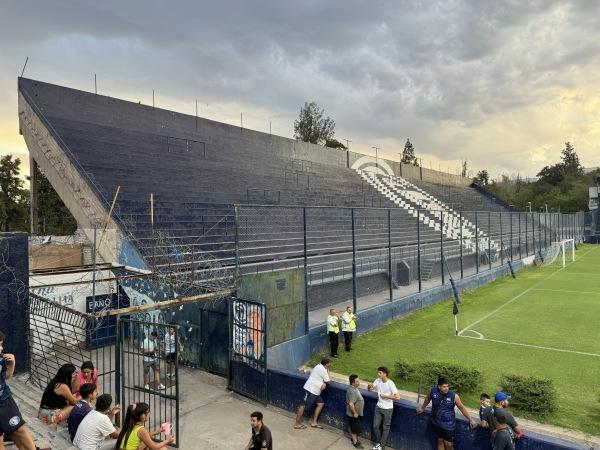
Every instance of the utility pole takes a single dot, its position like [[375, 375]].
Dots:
[[348, 142], [377, 158]]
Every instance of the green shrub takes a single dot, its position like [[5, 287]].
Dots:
[[404, 370], [461, 378], [530, 393]]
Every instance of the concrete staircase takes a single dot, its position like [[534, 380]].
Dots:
[[27, 396]]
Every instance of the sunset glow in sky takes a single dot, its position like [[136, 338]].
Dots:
[[502, 84]]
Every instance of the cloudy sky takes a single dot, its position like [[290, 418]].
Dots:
[[502, 84]]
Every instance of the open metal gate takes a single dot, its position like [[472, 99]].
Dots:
[[143, 352], [248, 353]]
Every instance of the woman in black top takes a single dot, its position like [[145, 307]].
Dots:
[[57, 400]]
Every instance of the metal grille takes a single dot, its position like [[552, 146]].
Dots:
[[248, 365], [162, 393], [366, 256]]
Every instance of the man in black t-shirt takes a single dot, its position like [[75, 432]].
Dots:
[[261, 436], [504, 438]]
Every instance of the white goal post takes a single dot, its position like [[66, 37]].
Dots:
[[558, 253]]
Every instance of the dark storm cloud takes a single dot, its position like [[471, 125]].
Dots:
[[381, 69]]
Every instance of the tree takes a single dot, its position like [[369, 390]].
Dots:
[[311, 126], [408, 154], [570, 160], [55, 218], [334, 143], [482, 178], [14, 200], [464, 172]]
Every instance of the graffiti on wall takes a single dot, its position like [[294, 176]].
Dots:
[[249, 339]]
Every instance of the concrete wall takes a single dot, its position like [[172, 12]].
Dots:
[[14, 295], [284, 294], [408, 430]]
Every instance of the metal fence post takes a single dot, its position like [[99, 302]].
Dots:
[[354, 300], [460, 224], [489, 214], [442, 244], [304, 225], [419, 248], [390, 277]]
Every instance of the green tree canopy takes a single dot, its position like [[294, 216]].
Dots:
[[54, 217], [334, 143], [408, 154], [482, 178], [14, 200], [312, 127]]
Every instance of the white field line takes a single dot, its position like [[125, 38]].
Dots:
[[517, 297], [566, 291], [529, 345]]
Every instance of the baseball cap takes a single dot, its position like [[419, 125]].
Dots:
[[501, 396]]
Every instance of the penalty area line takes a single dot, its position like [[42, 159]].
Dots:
[[541, 347]]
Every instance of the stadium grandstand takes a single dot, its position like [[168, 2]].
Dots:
[[260, 234]]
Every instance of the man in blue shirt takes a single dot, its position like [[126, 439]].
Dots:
[[11, 421], [88, 393], [443, 418]]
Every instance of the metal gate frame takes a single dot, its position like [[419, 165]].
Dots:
[[164, 404], [248, 351]]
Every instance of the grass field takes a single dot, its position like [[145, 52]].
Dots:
[[544, 323]]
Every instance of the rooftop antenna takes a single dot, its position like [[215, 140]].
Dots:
[[25, 65]]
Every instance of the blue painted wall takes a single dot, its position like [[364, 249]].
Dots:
[[408, 429], [14, 296]]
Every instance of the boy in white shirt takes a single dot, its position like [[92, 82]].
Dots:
[[387, 392]]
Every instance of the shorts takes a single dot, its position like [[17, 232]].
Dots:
[[10, 417], [150, 365], [171, 357], [310, 399], [442, 433], [50, 416], [355, 424]]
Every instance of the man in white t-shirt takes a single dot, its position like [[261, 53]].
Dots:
[[387, 393], [316, 383], [96, 431], [149, 349]]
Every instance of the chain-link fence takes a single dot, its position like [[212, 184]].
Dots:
[[362, 257]]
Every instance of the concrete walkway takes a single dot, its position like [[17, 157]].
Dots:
[[213, 417]]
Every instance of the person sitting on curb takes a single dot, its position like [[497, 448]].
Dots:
[[88, 394], [96, 431]]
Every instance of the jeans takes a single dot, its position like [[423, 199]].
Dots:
[[385, 416]]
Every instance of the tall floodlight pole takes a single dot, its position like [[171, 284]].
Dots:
[[348, 142], [377, 158]]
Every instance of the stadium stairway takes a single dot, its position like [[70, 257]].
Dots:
[[27, 396]]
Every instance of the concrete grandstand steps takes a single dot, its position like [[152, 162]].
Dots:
[[27, 397]]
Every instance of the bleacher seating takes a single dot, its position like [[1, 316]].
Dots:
[[197, 170]]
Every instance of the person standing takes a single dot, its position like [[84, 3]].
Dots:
[[171, 351], [316, 383], [11, 421], [149, 349], [333, 331], [261, 438], [443, 417], [387, 393], [354, 409], [504, 436], [348, 327], [487, 419]]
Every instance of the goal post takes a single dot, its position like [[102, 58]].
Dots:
[[559, 253]]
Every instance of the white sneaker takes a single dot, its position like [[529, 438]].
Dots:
[[161, 387], [377, 447], [146, 386], [169, 376]]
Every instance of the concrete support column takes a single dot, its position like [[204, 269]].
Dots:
[[33, 197]]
